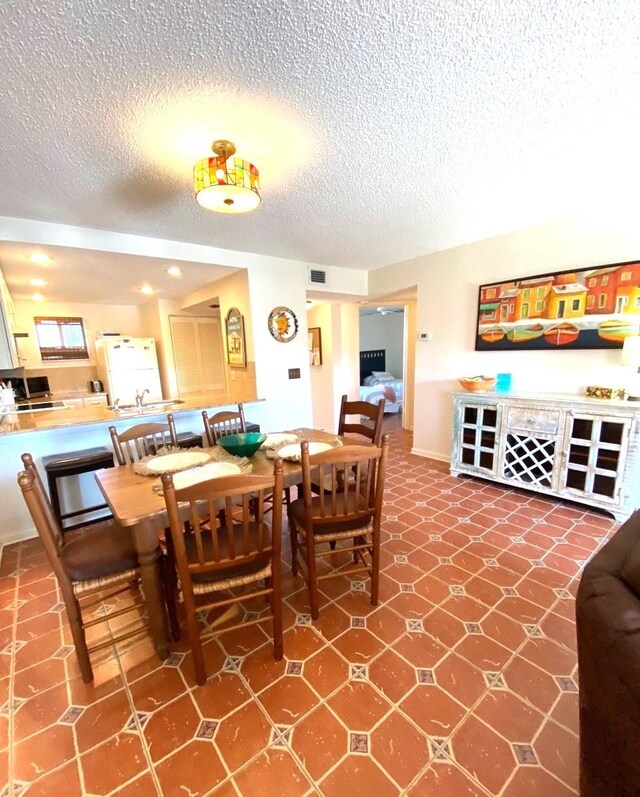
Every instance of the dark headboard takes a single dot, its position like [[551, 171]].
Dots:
[[373, 360]]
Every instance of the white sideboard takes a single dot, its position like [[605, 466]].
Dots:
[[584, 450]]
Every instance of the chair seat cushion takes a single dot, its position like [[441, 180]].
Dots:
[[296, 514], [232, 569], [101, 550]]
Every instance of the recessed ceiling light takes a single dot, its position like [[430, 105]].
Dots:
[[37, 297], [147, 289], [37, 282], [40, 258], [174, 271]]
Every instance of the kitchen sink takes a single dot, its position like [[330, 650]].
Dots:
[[152, 406]]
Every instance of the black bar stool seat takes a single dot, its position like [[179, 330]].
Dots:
[[73, 463], [189, 440], [252, 427]]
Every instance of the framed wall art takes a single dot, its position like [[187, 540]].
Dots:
[[315, 346], [236, 349], [593, 308], [283, 324]]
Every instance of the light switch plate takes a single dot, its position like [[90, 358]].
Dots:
[[294, 373]]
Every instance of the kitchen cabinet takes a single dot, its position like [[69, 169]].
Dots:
[[8, 350], [76, 402], [585, 450]]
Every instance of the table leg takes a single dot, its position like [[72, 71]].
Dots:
[[146, 540]]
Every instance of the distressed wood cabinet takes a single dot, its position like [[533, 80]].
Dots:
[[585, 450]]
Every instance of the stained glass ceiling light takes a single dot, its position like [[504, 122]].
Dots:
[[224, 183]]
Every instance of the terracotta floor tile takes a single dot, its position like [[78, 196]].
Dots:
[[465, 608], [357, 776], [158, 688], [103, 719], [288, 699], [40, 711], [432, 589], [242, 735], [326, 671], [485, 591], [64, 780], [503, 630], [420, 649], [483, 652], [38, 649], [392, 675], [301, 642], [399, 748], [357, 645], [565, 711], [431, 708], [358, 705], [43, 752], [447, 780], [194, 769], [510, 716], [559, 630], [222, 693], [520, 610], [320, 741], [171, 726], [410, 604], [531, 683], [274, 771], [535, 781], [557, 751], [460, 679], [448, 630], [386, 624], [143, 786], [39, 678], [483, 754], [112, 763], [260, 669], [549, 656]]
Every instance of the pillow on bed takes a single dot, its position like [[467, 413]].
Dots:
[[389, 393], [383, 376], [369, 381]]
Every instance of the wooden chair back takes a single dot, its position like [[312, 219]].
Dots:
[[374, 413], [353, 476], [223, 423], [142, 440]]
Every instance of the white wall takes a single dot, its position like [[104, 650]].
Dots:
[[322, 390], [447, 300], [385, 332], [96, 318]]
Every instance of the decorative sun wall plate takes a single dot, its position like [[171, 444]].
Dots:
[[283, 324]]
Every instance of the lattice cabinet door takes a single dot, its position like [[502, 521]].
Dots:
[[476, 437], [595, 455], [529, 459]]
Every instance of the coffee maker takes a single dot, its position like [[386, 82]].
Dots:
[[95, 386]]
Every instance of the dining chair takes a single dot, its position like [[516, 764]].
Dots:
[[223, 560], [222, 423], [92, 567], [350, 510], [142, 440], [363, 409]]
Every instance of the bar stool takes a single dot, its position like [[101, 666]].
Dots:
[[74, 463]]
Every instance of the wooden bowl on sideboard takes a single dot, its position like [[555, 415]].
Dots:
[[478, 384]]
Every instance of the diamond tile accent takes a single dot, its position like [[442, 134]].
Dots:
[[444, 560], [58, 608], [440, 749], [63, 652], [562, 593], [392, 517], [294, 668], [15, 604], [140, 718], [358, 672], [281, 736], [415, 625], [473, 628], [491, 563], [18, 572], [407, 588], [72, 714], [12, 647], [232, 664], [524, 754], [419, 503], [533, 630], [303, 619], [494, 680], [358, 742], [457, 589], [509, 591], [425, 676], [358, 586], [559, 540], [358, 622], [173, 660], [537, 563], [435, 537], [475, 539], [396, 536], [206, 729], [400, 559], [566, 684]]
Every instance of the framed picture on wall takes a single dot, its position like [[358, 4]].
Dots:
[[315, 346], [595, 308], [236, 350]]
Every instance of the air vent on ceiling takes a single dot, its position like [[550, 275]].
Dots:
[[317, 277]]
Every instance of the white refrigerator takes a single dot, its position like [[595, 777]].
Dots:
[[127, 365]]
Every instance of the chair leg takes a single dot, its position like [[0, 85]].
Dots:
[[312, 579], [293, 533], [276, 609], [171, 590], [79, 640], [375, 571]]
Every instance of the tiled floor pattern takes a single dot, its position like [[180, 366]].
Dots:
[[463, 680]]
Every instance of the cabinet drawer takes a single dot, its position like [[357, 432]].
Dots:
[[95, 401], [533, 420]]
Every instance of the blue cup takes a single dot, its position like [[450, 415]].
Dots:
[[503, 383]]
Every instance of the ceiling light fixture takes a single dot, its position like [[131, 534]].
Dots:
[[37, 297], [146, 289], [37, 282], [174, 271], [40, 258], [226, 184]]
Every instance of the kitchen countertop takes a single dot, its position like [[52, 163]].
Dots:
[[21, 422]]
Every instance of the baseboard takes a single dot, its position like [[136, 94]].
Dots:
[[420, 452], [17, 536]]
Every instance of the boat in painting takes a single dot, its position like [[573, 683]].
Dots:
[[561, 334], [492, 334], [522, 334], [617, 330]]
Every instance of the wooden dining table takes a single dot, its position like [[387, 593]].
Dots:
[[137, 506]]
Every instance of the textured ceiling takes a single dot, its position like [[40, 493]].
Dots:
[[383, 129]]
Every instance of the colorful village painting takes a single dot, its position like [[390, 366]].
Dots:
[[592, 309]]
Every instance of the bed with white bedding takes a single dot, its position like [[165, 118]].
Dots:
[[377, 383]]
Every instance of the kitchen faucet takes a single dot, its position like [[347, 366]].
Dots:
[[140, 397]]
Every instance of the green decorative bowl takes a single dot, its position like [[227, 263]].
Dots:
[[242, 445]]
